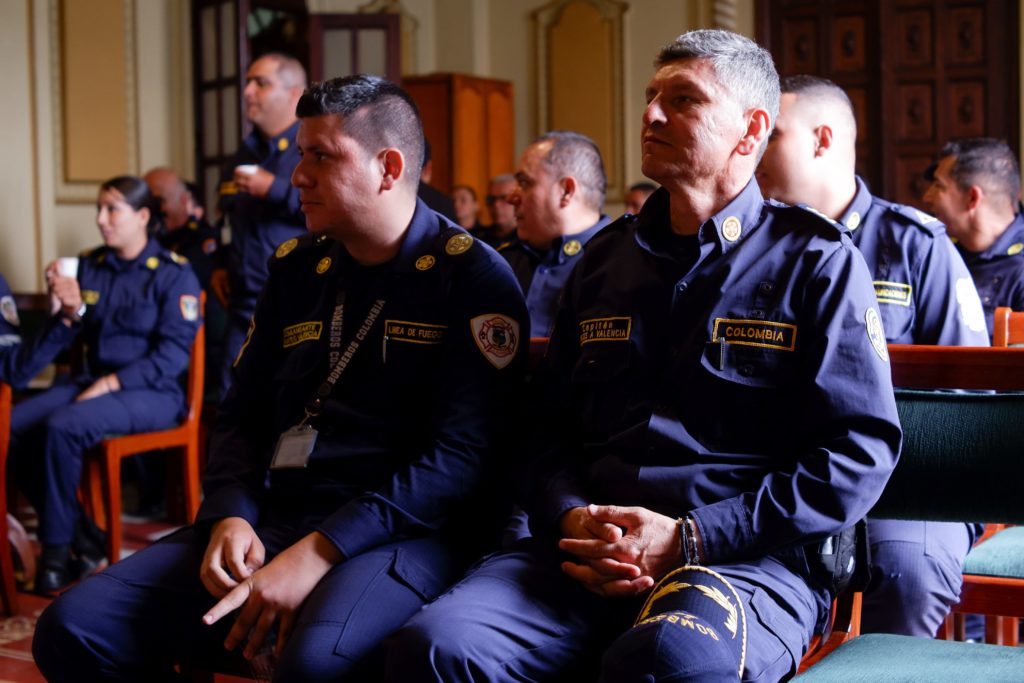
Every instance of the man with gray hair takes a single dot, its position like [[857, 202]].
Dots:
[[558, 200], [695, 441], [975, 191]]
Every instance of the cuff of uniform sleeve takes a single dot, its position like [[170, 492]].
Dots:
[[724, 528], [551, 512], [354, 528], [230, 501], [278, 189]]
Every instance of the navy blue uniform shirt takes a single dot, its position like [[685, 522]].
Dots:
[[260, 224], [998, 271], [542, 274], [141, 316], [924, 290], [410, 427], [748, 385], [21, 360], [198, 241]]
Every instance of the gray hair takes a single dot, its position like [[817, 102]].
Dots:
[[574, 154], [745, 68]]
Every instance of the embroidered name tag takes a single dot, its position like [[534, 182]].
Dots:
[[416, 333], [616, 328], [302, 332], [772, 335], [892, 293]]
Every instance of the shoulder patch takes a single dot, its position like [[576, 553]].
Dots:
[[917, 217], [458, 244], [497, 337], [286, 248], [9, 310]]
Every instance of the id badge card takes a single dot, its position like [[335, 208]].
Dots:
[[294, 448]]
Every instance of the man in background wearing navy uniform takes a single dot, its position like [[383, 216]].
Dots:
[[558, 200], [925, 296], [20, 359], [368, 399], [257, 198], [185, 230], [975, 191], [717, 396]]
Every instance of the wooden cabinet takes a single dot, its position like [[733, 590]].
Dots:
[[919, 73], [470, 124]]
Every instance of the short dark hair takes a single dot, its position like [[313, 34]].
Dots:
[[986, 162], [643, 186], [137, 195], [742, 66], [574, 154], [375, 112], [467, 188]]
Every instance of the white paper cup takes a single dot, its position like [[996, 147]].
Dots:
[[247, 169], [67, 266]]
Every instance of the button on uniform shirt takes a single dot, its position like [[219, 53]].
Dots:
[[410, 429], [998, 271], [260, 224], [141, 317], [925, 292], [740, 376], [542, 274]]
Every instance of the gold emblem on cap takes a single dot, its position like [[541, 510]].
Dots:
[[282, 144], [425, 262], [324, 264], [572, 247], [152, 262], [731, 228], [853, 221], [1015, 249], [285, 248], [458, 244]]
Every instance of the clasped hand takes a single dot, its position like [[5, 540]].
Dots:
[[620, 551]]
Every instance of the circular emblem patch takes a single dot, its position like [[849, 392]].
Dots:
[[458, 244], [152, 262], [324, 264], [853, 221], [731, 228], [876, 335], [572, 247], [1015, 249], [286, 248], [425, 262]]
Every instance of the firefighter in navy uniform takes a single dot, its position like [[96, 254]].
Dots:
[[22, 359], [560, 188], [136, 307], [975, 191], [715, 402], [257, 199], [370, 396], [925, 296]]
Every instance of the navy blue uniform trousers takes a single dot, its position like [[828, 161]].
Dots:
[[517, 617], [51, 432], [133, 621]]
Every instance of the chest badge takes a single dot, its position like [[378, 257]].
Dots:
[[876, 335], [152, 262], [731, 228], [324, 265], [571, 248], [458, 245], [425, 262], [853, 221], [285, 248], [497, 337], [1015, 249]]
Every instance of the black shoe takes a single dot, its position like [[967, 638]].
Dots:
[[87, 564], [52, 578]]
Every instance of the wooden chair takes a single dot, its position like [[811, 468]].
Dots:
[[8, 588], [1008, 328], [103, 466], [960, 462]]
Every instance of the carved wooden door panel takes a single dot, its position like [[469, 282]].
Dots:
[[919, 73]]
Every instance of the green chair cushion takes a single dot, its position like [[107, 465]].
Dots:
[[1002, 555], [902, 659]]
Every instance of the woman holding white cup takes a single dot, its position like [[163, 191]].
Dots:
[[136, 308]]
